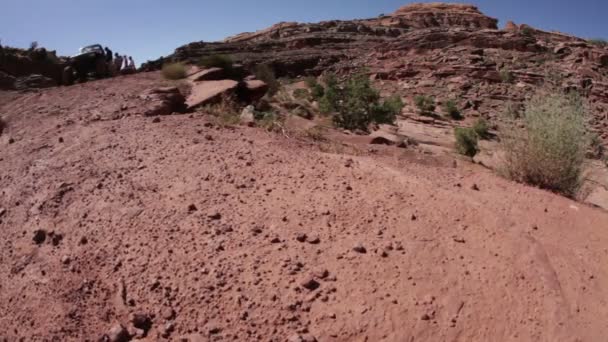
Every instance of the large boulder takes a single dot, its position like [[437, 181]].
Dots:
[[7, 82], [163, 101], [34, 81], [255, 90], [207, 92], [211, 74]]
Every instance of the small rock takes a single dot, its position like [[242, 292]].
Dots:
[[215, 216], [2, 212], [167, 329], [321, 274], [475, 187], [117, 333], [192, 208], [301, 237], [39, 236], [156, 120], [310, 283], [141, 321], [425, 317], [167, 313], [65, 260], [213, 328], [84, 240], [359, 249], [314, 240], [275, 240], [459, 240]]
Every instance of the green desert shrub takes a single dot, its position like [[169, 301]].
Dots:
[[598, 41], [359, 105], [451, 109], [506, 75], [216, 61], [317, 91], [549, 151], [425, 104], [466, 141], [264, 72], [301, 94], [481, 128], [174, 71]]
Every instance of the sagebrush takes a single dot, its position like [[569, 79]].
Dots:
[[451, 109], [174, 71], [217, 61], [426, 104], [466, 141], [549, 151]]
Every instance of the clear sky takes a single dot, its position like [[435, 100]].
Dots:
[[147, 29]]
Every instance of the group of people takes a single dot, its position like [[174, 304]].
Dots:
[[119, 64]]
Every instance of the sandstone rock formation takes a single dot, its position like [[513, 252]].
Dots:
[[448, 51]]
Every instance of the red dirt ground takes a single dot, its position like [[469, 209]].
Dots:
[[197, 227]]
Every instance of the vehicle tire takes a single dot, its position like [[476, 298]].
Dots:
[[67, 76], [101, 68]]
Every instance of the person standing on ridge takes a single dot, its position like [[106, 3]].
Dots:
[[131, 64], [108, 55], [117, 62]]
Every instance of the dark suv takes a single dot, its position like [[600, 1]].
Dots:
[[91, 60]]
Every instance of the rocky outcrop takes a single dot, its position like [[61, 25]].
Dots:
[[163, 101], [429, 15]]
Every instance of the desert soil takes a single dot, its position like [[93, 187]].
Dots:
[[217, 233]]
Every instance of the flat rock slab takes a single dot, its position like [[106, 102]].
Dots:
[[208, 91], [211, 74], [598, 197]]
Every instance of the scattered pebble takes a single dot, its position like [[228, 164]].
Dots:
[[301, 237], [359, 249], [39, 236]]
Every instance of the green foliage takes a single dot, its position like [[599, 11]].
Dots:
[[359, 105], [316, 89], [451, 109], [270, 121], [481, 128], [527, 31], [265, 73], [506, 75], [549, 152], [466, 141], [425, 104], [301, 94], [174, 71], [330, 100], [598, 42], [316, 133], [216, 61]]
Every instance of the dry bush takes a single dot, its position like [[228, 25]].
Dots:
[[466, 141], [316, 133], [174, 71], [549, 151], [226, 111], [216, 61]]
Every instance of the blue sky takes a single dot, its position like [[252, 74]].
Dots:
[[147, 29]]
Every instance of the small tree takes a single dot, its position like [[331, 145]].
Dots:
[[426, 104], [549, 152]]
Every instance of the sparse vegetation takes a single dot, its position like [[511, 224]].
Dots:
[[596, 149], [425, 104], [216, 61], [316, 133], [174, 71], [451, 109], [481, 128], [226, 111], [527, 31], [270, 121], [264, 72], [506, 75], [549, 152], [601, 42], [466, 141], [301, 94], [317, 91]]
